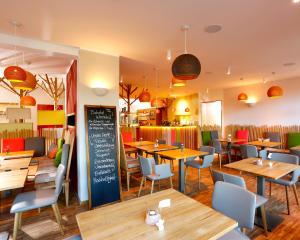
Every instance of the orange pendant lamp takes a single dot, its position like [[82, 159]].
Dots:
[[275, 92], [158, 103], [15, 74], [28, 84], [178, 82], [242, 97], [144, 96], [27, 101]]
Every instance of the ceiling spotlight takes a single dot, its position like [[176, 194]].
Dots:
[[241, 78], [288, 64], [213, 28], [121, 79], [264, 80], [228, 71], [296, 1], [169, 55]]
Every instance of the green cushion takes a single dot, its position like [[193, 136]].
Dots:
[[206, 138], [293, 139], [60, 143], [57, 159]]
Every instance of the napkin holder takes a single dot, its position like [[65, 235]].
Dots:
[[152, 217]]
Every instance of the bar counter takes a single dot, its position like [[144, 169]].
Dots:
[[185, 134]]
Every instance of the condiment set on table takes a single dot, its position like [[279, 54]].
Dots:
[[259, 161]]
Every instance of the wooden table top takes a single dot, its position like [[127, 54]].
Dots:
[[179, 154], [161, 147], [138, 143], [296, 148], [265, 144], [278, 170], [19, 154], [233, 140], [12, 179], [185, 219], [15, 164]]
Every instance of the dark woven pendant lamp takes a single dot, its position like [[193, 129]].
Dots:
[[186, 66]]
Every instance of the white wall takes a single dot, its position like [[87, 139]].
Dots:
[[283, 111], [95, 70]]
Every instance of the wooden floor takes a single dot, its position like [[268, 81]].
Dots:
[[43, 225]]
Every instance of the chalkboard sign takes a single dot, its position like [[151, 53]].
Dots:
[[102, 155]]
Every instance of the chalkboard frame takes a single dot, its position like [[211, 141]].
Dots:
[[86, 107]]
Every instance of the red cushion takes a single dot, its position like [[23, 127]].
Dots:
[[13, 145], [242, 134], [127, 136]]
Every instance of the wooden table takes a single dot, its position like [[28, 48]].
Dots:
[[265, 144], [12, 179], [19, 154], [153, 150], [230, 142], [138, 143], [278, 170], [15, 164], [185, 219], [181, 155]]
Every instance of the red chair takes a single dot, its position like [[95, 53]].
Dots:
[[12, 145], [242, 134], [127, 137]]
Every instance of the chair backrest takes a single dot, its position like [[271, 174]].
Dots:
[[263, 154], [59, 178], [214, 135], [217, 176], [37, 144], [248, 151], [235, 202], [284, 157], [273, 136], [293, 139], [177, 144], [206, 138], [12, 145], [217, 145], [65, 155], [233, 179], [162, 141], [209, 149], [207, 160], [70, 155], [146, 165]]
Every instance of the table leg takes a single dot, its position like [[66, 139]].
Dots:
[[156, 158], [181, 184], [273, 220], [229, 151]]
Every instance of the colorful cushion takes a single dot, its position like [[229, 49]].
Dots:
[[127, 136], [52, 152], [13, 145], [57, 159], [293, 139], [60, 143], [206, 138]]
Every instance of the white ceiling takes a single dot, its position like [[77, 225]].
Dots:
[[258, 36]]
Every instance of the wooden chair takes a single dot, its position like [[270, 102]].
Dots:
[[128, 164]]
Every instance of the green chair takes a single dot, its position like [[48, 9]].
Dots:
[[206, 138], [293, 139]]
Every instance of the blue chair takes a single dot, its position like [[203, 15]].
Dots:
[[221, 151], [263, 154], [4, 235], [248, 151], [214, 135], [217, 176], [75, 237], [163, 159], [273, 136], [206, 163], [209, 149], [153, 172], [36, 199], [260, 200], [236, 203], [289, 180]]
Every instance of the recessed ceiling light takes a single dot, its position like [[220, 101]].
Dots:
[[208, 72], [296, 1], [287, 64], [241, 78], [213, 28], [169, 55]]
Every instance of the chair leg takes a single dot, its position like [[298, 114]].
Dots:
[[20, 221], [158, 184], [58, 217], [199, 183], [67, 192], [220, 160], [185, 173], [296, 194], [270, 191], [141, 186], [16, 225], [172, 164], [287, 199], [264, 219], [128, 180], [171, 182], [152, 186]]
